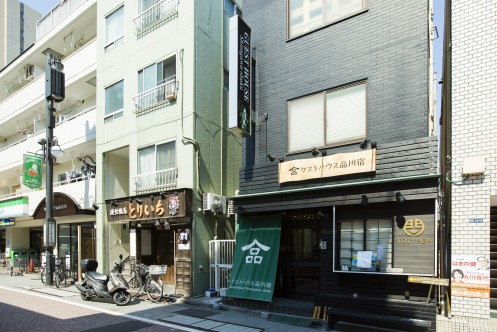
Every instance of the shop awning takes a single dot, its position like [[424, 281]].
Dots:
[[256, 258]]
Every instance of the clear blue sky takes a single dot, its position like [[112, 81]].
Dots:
[[44, 6]]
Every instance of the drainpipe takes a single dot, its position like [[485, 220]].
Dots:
[[188, 140]]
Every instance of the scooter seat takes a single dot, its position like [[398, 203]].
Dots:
[[97, 276]]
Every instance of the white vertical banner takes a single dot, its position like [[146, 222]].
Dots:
[[132, 242]]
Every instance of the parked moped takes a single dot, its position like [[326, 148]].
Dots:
[[95, 284]]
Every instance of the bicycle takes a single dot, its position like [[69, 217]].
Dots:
[[141, 279], [60, 274]]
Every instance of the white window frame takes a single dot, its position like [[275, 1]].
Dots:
[[119, 38], [310, 24], [309, 120], [155, 156], [109, 117]]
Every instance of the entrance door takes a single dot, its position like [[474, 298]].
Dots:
[[298, 264]]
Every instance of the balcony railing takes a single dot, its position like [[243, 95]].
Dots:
[[164, 93], [55, 16], [162, 179], [162, 11]]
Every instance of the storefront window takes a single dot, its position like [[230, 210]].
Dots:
[[365, 245]]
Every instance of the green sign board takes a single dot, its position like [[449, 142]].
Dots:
[[256, 258], [32, 171]]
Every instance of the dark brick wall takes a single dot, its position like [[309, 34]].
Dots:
[[387, 45]]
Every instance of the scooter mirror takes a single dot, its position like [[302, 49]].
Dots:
[[121, 256]]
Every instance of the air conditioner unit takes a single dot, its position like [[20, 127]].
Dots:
[[29, 72], [214, 203]]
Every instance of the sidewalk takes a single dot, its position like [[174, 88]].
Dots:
[[195, 314], [206, 313]]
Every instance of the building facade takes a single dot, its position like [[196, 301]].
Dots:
[[468, 158], [18, 29], [343, 154], [163, 147], [68, 32]]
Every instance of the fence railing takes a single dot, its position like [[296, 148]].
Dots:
[[153, 180], [55, 16], [221, 254], [163, 93], [158, 13]]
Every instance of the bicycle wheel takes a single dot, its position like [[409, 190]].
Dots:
[[57, 279], [154, 288], [44, 276]]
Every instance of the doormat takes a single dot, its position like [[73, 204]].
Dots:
[[196, 313], [292, 320]]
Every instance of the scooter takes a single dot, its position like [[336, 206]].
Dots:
[[95, 284]]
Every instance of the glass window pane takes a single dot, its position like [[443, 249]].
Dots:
[[147, 78], [146, 160], [346, 114], [166, 156], [305, 123], [114, 98], [114, 25], [145, 4]]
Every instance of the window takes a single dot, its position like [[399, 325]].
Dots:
[[114, 33], [364, 245], [328, 118], [308, 15], [156, 84], [146, 4], [157, 165], [114, 101]]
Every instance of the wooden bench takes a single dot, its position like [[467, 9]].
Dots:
[[352, 316], [382, 312]]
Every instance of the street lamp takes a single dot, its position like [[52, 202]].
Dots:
[[54, 92]]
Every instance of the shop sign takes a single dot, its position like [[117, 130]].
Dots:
[[328, 166], [256, 257], [172, 206], [32, 171], [470, 276], [239, 80], [7, 222], [14, 208], [428, 280], [414, 245]]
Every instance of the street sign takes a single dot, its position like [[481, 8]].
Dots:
[[428, 280], [49, 232]]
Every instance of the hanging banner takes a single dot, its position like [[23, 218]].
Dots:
[[256, 258], [32, 171]]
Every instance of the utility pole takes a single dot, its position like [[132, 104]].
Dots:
[[54, 92]]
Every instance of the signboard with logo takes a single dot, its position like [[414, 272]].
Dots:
[[7, 222], [470, 276], [256, 258], [174, 206], [414, 245], [16, 207], [32, 171], [239, 79], [327, 166]]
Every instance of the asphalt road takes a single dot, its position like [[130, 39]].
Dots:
[[22, 311]]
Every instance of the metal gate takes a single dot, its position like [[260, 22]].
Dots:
[[221, 254]]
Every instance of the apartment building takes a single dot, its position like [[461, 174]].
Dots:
[[18, 29], [68, 32], [468, 159], [165, 158], [340, 175]]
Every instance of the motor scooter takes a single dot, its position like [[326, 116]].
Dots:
[[95, 284]]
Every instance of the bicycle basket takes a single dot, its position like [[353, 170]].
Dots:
[[142, 270]]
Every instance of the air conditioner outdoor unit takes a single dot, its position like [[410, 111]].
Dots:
[[214, 203], [29, 72]]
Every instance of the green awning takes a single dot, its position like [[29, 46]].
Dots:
[[256, 258]]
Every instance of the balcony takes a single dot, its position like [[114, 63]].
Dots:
[[55, 16], [73, 130], [161, 12], [163, 179], [161, 94]]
